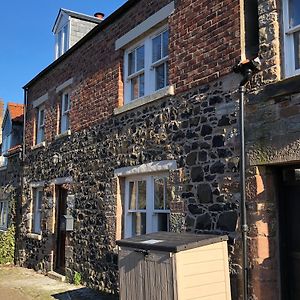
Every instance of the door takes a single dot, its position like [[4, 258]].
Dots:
[[290, 233], [60, 229]]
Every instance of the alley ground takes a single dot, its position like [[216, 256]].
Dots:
[[24, 284]]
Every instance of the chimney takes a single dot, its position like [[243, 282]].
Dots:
[[99, 15], [1, 117]]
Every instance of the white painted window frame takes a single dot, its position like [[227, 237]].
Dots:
[[289, 51], [151, 212], [62, 40], [6, 143], [4, 210], [64, 115], [40, 126], [149, 67], [37, 194]]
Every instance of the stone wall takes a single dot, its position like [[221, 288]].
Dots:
[[198, 129]]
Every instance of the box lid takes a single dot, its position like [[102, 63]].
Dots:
[[171, 241]]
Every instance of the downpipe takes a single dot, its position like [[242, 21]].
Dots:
[[247, 69]]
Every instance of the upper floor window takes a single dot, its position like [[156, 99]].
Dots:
[[146, 66], [147, 204], [40, 125], [3, 214], [292, 36], [65, 109], [62, 39]]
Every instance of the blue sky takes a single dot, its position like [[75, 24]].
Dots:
[[26, 39]]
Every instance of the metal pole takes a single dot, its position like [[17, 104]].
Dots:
[[244, 226]]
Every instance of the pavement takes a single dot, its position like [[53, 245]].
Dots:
[[24, 284]]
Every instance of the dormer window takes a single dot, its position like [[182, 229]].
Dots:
[[62, 38]]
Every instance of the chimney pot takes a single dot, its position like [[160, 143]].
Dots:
[[99, 15]]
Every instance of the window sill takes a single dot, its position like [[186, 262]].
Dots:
[[34, 236], [3, 230], [63, 134], [167, 91], [40, 145]]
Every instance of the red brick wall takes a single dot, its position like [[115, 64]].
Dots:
[[204, 43]]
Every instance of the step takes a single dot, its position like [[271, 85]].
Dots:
[[56, 276]]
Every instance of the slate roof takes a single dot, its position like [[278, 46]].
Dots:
[[77, 16]]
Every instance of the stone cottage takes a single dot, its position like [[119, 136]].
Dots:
[[134, 129], [10, 168]]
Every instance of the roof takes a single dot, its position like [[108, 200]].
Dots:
[[171, 241], [16, 111], [77, 16], [106, 22]]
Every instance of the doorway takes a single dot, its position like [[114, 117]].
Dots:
[[290, 232], [60, 260]]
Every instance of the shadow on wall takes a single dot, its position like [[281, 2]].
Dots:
[[83, 294]]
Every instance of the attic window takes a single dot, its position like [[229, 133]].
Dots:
[[62, 37]]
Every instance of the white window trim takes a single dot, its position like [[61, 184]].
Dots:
[[64, 114], [289, 53], [35, 211], [148, 70], [4, 223], [40, 127], [64, 48], [156, 166], [151, 212], [145, 26], [39, 101]]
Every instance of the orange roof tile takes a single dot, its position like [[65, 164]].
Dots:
[[16, 111]]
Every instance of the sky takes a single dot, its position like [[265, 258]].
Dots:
[[27, 41]]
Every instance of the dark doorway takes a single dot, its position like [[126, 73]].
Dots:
[[290, 232], [60, 230]]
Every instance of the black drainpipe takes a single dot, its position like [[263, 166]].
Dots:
[[247, 69]]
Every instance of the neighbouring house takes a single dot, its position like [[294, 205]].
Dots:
[[10, 165], [135, 129]]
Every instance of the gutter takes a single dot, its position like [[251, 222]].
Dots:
[[247, 68]]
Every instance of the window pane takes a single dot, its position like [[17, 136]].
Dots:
[[132, 195], [134, 88], [42, 116], [59, 43], [131, 63], [66, 102], [156, 49], [168, 194], [39, 200], [163, 222], [159, 193], [167, 73], [138, 223], [160, 77], [141, 85], [140, 60], [65, 42], [142, 195], [165, 43], [294, 12], [297, 49]]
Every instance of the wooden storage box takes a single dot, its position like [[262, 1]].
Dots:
[[167, 266]]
